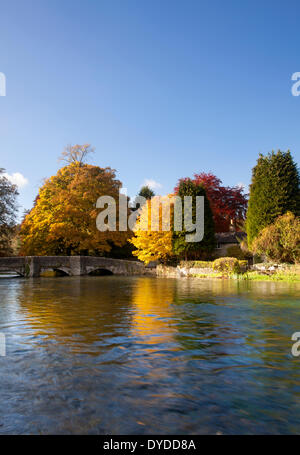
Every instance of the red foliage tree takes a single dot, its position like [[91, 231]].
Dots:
[[227, 203]]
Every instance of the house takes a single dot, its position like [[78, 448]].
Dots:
[[227, 239]]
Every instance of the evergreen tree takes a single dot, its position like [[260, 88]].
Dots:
[[146, 192], [195, 250], [274, 190]]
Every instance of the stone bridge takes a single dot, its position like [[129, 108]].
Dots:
[[33, 266]]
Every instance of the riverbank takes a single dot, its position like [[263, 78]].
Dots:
[[255, 276], [258, 272]]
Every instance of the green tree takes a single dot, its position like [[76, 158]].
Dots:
[[274, 190], [145, 192], [8, 210], [195, 250]]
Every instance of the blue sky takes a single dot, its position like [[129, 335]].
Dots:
[[161, 88]]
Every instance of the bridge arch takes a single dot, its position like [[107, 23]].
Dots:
[[62, 271], [18, 272], [100, 271], [59, 271]]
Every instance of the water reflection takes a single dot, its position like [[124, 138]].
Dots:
[[143, 355], [86, 315], [154, 316]]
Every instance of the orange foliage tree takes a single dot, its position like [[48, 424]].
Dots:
[[63, 219]]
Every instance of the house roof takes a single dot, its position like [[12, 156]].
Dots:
[[230, 237]]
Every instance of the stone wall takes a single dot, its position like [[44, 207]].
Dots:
[[179, 271], [272, 267]]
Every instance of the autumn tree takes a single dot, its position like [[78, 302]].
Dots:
[[157, 240], [280, 241], [228, 204], [8, 211], [274, 190], [153, 245], [63, 219]]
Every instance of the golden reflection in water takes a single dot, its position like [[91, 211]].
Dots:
[[149, 324], [88, 310], [77, 311]]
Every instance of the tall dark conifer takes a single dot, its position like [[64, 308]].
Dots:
[[274, 190]]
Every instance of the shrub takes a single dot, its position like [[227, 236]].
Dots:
[[281, 240], [227, 265]]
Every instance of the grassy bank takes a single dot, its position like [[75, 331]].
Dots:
[[254, 276]]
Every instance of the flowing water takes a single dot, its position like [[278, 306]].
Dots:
[[143, 355]]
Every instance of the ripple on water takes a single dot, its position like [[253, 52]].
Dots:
[[134, 355]]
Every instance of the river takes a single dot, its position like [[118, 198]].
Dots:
[[142, 355]]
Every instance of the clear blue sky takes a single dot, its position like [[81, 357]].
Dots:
[[161, 88]]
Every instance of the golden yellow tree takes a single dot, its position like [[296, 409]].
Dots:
[[152, 245], [63, 219]]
